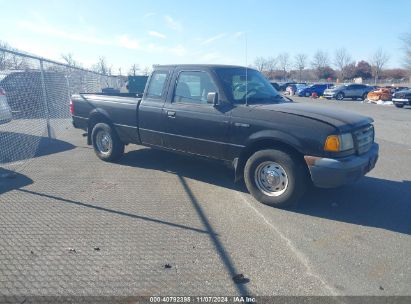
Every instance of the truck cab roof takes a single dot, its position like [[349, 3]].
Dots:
[[196, 66]]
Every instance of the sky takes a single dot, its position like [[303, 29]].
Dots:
[[144, 32]]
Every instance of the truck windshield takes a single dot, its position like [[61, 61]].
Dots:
[[241, 85]]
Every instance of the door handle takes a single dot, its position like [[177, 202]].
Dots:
[[243, 125], [171, 114]]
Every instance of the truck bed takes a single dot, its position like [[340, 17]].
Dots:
[[121, 111]]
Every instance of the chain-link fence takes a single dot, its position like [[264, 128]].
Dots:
[[34, 103]]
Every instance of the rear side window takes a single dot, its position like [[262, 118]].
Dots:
[[156, 86]]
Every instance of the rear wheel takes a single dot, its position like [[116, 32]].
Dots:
[[106, 143], [339, 96], [275, 177]]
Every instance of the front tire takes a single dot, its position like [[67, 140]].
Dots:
[[106, 143], [275, 178], [339, 96], [399, 105]]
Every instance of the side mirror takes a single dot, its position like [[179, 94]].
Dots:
[[212, 98]]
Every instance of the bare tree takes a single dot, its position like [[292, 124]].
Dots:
[[320, 62], [378, 61], [406, 39], [10, 60], [134, 70], [4, 60], [102, 67], [17, 62], [68, 58], [342, 59], [284, 63], [260, 63], [300, 63], [146, 71], [270, 66]]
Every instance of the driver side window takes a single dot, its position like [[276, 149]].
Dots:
[[193, 87]]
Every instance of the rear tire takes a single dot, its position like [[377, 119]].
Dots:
[[106, 143], [275, 178]]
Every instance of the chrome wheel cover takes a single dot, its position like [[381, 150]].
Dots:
[[271, 178], [104, 142]]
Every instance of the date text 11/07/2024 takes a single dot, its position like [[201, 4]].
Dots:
[[202, 299]]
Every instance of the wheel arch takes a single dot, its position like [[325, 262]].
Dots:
[[262, 144], [96, 117]]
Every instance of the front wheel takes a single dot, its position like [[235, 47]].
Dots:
[[364, 96], [106, 143], [275, 178], [339, 96], [399, 105]]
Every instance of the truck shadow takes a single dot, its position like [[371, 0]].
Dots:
[[201, 169], [19, 146], [10, 180], [371, 202]]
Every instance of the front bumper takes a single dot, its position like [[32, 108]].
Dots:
[[335, 172], [403, 101], [329, 95]]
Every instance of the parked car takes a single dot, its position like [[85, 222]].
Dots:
[[353, 91], [295, 88], [25, 97], [402, 98], [275, 85], [396, 89], [110, 91], [233, 114], [318, 88], [284, 85], [5, 111], [383, 94]]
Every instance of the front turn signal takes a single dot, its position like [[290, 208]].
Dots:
[[332, 143]]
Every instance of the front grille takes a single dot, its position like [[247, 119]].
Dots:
[[364, 138]]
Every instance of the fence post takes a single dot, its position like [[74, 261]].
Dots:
[[45, 99]]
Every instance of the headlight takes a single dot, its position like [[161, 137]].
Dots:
[[339, 143]]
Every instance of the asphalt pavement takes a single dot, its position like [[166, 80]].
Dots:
[[157, 223]]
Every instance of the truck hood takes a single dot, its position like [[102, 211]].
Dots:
[[343, 120]]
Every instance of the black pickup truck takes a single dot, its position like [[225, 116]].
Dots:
[[233, 114]]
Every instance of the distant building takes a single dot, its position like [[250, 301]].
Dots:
[[358, 80]]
